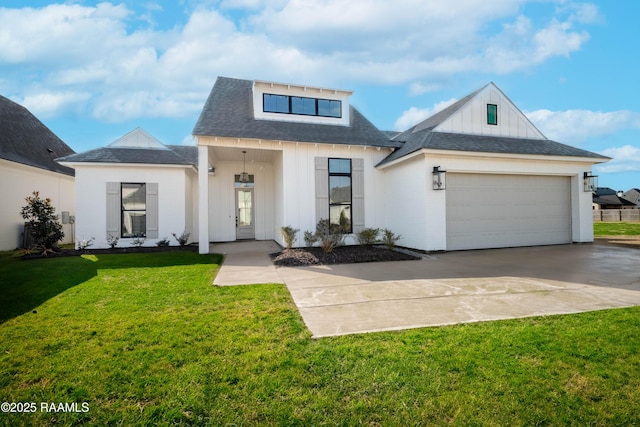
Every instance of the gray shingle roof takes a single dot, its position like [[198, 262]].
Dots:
[[486, 144], [25, 139], [174, 155], [228, 112]]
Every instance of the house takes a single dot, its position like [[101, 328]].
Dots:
[[135, 188], [27, 152], [475, 175], [607, 198], [632, 196]]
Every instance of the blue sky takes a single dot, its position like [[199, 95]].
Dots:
[[93, 71]]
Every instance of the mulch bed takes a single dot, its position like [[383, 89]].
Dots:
[[341, 255], [131, 250]]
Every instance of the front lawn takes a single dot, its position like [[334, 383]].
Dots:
[[604, 229], [145, 339]]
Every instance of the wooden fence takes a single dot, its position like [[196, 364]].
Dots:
[[616, 215]]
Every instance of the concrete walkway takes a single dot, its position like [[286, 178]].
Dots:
[[246, 263], [446, 288], [458, 287]]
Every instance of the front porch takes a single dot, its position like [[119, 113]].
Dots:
[[233, 209]]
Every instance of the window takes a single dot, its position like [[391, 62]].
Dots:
[[306, 106], [134, 210], [340, 194], [275, 103], [492, 114], [301, 106]]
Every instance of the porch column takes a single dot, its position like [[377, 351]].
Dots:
[[203, 199]]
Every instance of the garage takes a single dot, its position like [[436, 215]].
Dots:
[[492, 211]]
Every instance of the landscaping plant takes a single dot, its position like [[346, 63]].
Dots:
[[330, 235], [289, 235], [368, 236], [112, 241], [389, 238], [162, 243], [183, 238], [43, 223], [310, 238]]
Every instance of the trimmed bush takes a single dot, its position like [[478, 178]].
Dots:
[[330, 235], [368, 236], [289, 235], [389, 239]]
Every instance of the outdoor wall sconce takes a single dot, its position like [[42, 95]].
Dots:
[[590, 182], [438, 178]]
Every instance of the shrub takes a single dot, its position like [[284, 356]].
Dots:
[[389, 238], [368, 236], [112, 241], [163, 242], [138, 241], [84, 243], [183, 239], [46, 229], [330, 235], [289, 235], [310, 238]]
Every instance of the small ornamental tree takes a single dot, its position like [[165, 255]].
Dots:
[[40, 216]]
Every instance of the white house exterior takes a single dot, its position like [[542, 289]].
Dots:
[[506, 184], [135, 188], [27, 152], [476, 175]]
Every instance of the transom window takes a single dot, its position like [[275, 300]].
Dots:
[[492, 114], [134, 210], [340, 194], [302, 106]]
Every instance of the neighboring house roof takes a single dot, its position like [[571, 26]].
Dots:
[[605, 196], [228, 112], [632, 195], [427, 135], [139, 147], [25, 139]]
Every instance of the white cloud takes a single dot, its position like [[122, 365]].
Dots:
[[413, 115], [135, 72], [576, 126], [624, 159], [49, 104]]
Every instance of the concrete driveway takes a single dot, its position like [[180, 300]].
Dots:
[[467, 286]]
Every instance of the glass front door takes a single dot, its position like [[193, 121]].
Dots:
[[245, 228]]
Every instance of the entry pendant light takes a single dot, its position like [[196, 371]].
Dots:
[[244, 176]]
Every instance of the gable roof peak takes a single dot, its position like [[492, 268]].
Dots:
[[138, 138]]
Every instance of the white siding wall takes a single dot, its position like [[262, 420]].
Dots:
[[91, 184], [18, 182], [472, 118], [406, 202], [298, 170]]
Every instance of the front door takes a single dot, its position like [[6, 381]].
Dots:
[[245, 228]]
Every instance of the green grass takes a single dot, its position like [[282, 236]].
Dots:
[[605, 229], [146, 340]]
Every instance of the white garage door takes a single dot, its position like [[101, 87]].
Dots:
[[494, 211]]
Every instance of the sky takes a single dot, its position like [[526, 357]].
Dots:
[[94, 71]]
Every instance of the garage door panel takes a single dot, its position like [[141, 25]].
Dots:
[[488, 211]]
